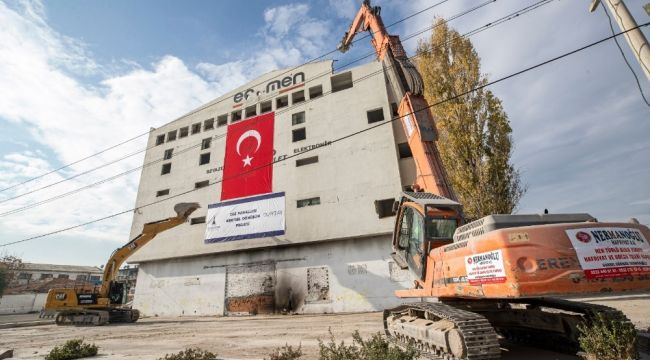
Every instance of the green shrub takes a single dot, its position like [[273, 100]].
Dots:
[[72, 349], [191, 354], [377, 348], [286, 353], [608, 339]]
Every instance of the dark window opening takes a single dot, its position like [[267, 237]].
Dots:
[[235, 116], [160, 139], [24, 276], [204, 159], [184, 131], [384, 208], [307, 161], [205, 143], [201, 184], [168, 154], [341, 81], [94, 278], [394, 109], [63, 276], [81, 277], [281, 102], [197, 220], [251, 111], [208, 124], [408, 188], [298, 97], [171, 136], [166, 169], [222, 120], [375, 115], [162, 192], [404, 150], [315, 91], [196, 128], [47, 276], [266, 106], [298, 118], [308, 202], [299, 134]]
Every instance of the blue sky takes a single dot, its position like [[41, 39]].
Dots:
[[79, 76]]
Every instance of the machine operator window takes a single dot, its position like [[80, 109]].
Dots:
[[416, 234], [405, 227]]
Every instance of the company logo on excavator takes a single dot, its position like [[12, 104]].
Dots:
[[583, 237]]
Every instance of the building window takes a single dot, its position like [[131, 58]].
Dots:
[[202, 184], [208, 124], [196, 128], [308, 202], [404, 150], [184, 131], [298, 118], [394, 109], [171, 136], [251, 111], [315, 91], [281, 102], [375, 115], [298, 97], [168, 154], [63, 276], [204, 159], [160, 139], [235, 116], [197, 220], [160, 193], [47, 276], [94, 278], [384, 208], [306, 161], [24, 276], [266, 106], [299, 134], [222, 120], [81, 277], [205, 143], [166, 169], [341, 81]]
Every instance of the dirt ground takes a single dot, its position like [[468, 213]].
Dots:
[[246, 337]]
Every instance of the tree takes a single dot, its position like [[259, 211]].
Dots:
[[474, 131], [9, 265]]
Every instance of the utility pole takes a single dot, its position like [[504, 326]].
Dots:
[[635, 38]]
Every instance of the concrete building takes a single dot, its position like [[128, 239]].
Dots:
[[332, 252], [30, 272]]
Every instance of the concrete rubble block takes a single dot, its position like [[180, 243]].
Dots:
[[6, 353]]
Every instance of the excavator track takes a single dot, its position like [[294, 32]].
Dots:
[[546, 322], [441, 331], [91, 317]]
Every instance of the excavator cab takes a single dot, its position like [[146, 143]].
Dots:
[[425, 221]]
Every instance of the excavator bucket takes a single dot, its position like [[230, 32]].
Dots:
[[186, 209]]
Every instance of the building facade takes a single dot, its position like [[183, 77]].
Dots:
[[329, 250], [30, 273]]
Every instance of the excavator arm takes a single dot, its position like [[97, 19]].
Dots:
[[149, 231]]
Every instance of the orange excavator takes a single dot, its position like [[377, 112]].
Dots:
[[499, 275], [70, 307]]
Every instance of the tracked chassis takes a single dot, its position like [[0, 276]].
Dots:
[[95, 317], [467, 329]]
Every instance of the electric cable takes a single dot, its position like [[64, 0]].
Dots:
[[328, 73], [200, 108], [389, 121], [636, 78]]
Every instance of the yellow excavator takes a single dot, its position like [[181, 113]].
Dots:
[[70, 307]]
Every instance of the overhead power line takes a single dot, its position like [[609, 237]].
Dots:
[[213, 103], [327, 73], [389, 121]]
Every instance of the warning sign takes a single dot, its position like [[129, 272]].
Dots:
[[485, 268], [606, 252]]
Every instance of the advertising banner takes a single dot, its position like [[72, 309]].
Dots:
[[611, 251], [485, 268], [248, 218]]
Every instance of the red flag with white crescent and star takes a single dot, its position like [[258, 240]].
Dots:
[[247, 164]]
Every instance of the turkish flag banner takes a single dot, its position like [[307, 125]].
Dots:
[[247, 168]]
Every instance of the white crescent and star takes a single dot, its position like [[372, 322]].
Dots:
[[258, 138]]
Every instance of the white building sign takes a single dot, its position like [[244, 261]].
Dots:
[[485, 268], [246, 218], [611, 251]]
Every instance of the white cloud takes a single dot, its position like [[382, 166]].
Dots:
[[345, 8], [73, 119]]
